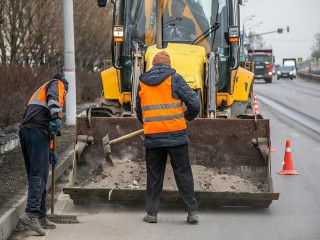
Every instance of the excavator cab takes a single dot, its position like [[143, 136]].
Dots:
[[229, 144]]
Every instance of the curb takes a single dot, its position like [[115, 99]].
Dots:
[[9, 220]]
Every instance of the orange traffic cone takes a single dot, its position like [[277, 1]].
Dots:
[[256, 107], [287, 164], [255, 104]]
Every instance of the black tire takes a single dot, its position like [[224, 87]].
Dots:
[[268, 80], [291, 78], [278, 78]]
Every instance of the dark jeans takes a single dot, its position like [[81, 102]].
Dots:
[[35, 145], [156, 166]]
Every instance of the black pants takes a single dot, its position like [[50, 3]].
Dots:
[[156, 166], [35, 145]]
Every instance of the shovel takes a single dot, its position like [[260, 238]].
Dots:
[[107, 143], [55, 217]]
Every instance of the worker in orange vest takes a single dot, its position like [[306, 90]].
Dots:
[[161, 97], [41, 120]]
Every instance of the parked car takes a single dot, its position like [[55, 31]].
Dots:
[[285, 72]]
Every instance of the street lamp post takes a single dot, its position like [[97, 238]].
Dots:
[[254, 26], [248, 18]]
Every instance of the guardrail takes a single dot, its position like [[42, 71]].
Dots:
[[309, 76]]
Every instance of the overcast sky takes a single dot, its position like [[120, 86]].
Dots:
[[302, 16]]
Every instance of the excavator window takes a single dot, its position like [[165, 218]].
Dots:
[[178, 27], [182, 20]]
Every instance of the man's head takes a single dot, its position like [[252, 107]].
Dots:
[[177, 7], [161, 58], [60, 76]]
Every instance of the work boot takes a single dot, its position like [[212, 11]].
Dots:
[[32, 222], [150, 219], [45, 223], [193, 217]]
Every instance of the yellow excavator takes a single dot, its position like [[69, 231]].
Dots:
[[202, 39]]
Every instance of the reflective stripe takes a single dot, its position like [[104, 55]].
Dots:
[[161, 118], [54, 110], [53, 102], [37, 93], [162, 106], [34, 99], [38, 102]]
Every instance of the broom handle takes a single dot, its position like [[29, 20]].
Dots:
[[53, 174]]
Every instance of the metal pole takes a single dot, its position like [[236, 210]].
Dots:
[[53, 173], [255, 35], [243, 37], [69, 61], [158, 24]]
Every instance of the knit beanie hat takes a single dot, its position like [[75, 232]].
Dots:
[[161, 57], [60, 76]]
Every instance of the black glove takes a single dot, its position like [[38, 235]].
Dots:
[[55, 125]]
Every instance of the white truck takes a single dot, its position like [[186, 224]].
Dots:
[[292, 63]]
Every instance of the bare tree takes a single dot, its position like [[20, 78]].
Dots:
[[3, 9], [31, 33], [92, 34], [27, 35], [316, 47]]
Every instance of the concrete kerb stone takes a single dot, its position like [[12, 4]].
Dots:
[[10, 219]]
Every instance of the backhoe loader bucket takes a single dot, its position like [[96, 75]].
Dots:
[[229, 157]]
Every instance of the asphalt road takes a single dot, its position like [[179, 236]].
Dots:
[[295, 216]]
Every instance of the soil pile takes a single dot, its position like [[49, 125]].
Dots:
[[132, 175]]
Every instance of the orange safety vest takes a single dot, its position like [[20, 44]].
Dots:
[[161, 112], [40, 98]]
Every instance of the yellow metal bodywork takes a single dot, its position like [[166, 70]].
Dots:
[[111, 83], [224, 96], [188, 60], [243, 83], [240, 87]]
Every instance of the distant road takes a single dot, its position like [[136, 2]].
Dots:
[[297, 99]]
